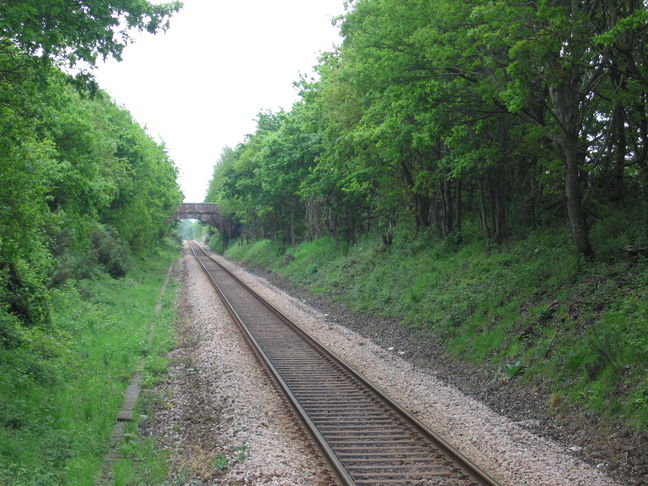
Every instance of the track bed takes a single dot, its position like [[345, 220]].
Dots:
[[366, 438]]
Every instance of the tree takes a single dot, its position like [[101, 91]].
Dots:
[[431, 113], [555, 75], [67, 160], [79, 30]]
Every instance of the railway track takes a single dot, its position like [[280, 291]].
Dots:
[[366, 438]]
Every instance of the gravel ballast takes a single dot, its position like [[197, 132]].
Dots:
[[217, 413], [224, 422], [507, 450]]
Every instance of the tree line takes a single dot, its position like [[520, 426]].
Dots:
[[501, 115], [83, 186]]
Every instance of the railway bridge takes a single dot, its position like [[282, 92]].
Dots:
[[207, 213]]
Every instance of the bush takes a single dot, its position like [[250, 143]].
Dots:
[[11, 335], [109, 251], [216, 243], [23, 293]]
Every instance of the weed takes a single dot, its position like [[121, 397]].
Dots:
[[555, 399], [605, 351], [243, 453], [221, 463], [61, 389], [182, 477], [511, 370]]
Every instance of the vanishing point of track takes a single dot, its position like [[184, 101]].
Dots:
[[365, 437]]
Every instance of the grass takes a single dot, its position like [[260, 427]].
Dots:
[[524, 308], [143, 464], [61, 388], [140, 462]]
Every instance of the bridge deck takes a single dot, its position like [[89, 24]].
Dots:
[[207, 213]]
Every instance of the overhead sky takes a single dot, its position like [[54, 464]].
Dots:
[[199, 86]]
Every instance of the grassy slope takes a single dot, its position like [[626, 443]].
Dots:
[[60, 391], [522, 307]]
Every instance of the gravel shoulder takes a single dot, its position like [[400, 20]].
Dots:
[[509, 448], [217, 413], [223, 422]]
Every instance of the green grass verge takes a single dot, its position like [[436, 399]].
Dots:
[[140, 463], [61, 388], [524, 308]]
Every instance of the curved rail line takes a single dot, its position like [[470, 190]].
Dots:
[[366, 437]]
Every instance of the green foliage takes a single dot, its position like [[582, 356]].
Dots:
[[221, 463], [306, 260], [520, 308], [79, 30], [143, 465], [448, 143], [61, 386], [261, 252], [141, 462], [216, 242], [511, 370], [83, 188], [454, 111], [82, 184], [243, 453]]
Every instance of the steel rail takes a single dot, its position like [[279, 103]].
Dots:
[[340, 472], [318, 407]]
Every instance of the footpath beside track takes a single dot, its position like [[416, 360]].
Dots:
[[365, 437]]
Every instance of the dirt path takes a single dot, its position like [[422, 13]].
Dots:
[[224, 423]]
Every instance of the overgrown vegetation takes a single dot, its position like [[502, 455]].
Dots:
[[521, 307], [478, 169], [83, 187], [141, 462], [61, 389], [84, 199]]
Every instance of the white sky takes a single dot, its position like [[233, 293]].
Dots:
[[199, 86]]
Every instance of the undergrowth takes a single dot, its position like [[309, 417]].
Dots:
[[525, 307], [61, 386], [140, 462]]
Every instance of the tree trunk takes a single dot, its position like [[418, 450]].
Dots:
[[614, 182], [458, 206], [435, 214], [532, 205], [422, 207], [482, 209], [293, 240], [493, 184], [446, 191], [313, 218], [574, 204], [565, 98], [642, 160], [500, 203], [532, 196]]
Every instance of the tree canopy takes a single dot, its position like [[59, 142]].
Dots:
[[74, 30], [448, 115], [83, 186]]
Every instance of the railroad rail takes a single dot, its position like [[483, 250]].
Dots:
[[366, 438]]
